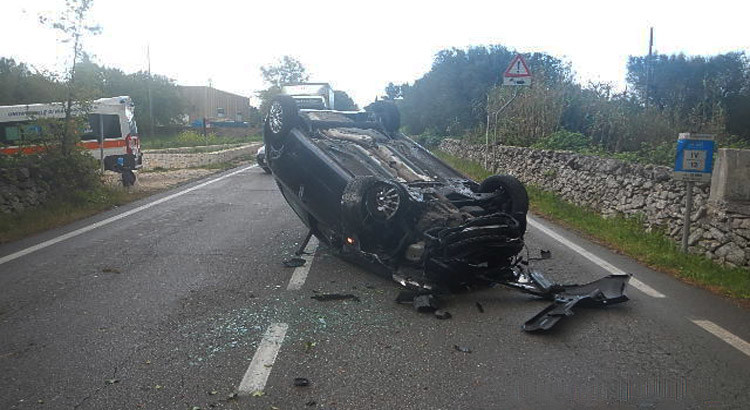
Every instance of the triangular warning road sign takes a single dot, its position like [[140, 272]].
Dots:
[[517, 68]]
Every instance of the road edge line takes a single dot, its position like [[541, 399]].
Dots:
[[648, 290], [72, 234], [725, 335]]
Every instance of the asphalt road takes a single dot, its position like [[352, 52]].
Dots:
[[184, 301]]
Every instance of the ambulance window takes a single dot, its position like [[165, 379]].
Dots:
[[110, 123], [10, 134]]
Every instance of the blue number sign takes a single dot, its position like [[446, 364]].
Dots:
[[694, 160]]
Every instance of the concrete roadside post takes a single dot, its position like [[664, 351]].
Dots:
[[693, 163]]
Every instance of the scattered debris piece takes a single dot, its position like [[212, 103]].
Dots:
[[406, 297], [40, 401], [325, 297], [258, 393], [480, 307], [195, 408], [112, 381], [462, 349], [294, 262], [158, 387], [232, 396], [213, 393], [301, 382], [147, 362], [311, 403], [310, 345], [110, 270], [545, 254], [443, 314], [268, 365], [425, 303]]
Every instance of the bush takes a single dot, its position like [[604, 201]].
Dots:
[[565, 140]]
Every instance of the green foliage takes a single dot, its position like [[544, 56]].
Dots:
[[696, 94], [20, 84], [564, 140], [288, 70], [194, 139], [343, 102]]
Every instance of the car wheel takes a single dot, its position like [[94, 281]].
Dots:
[[512, 199], [282, 117], [387, 113], [371, 199]]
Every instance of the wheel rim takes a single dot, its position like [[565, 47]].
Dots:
[[385, 201], [275, 117]]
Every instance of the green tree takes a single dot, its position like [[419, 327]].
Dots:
[[20, 84], [343, 102], [72, 26], [288, 70]]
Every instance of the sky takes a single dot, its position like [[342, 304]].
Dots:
[[361, 46]]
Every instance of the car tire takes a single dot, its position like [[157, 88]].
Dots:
[[371, 199], [514, 199], [283, 115], [388, 114]]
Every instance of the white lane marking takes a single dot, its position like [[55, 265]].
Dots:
[[109, 220], [300, 273], [257, 373], [595, 259], [724, 335]]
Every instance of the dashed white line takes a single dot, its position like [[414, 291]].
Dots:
[[724, 335], [300, 273], [648, 290], [257, 373], [109, 220]]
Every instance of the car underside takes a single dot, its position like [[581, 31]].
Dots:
[[377, 198]]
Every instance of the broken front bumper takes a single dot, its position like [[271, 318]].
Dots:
[[606, 291]]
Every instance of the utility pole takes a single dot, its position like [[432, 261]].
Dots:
[[150, 103], [648, 63]]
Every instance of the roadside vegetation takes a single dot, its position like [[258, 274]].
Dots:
[[629, 237], [665, 95], [192, 138]]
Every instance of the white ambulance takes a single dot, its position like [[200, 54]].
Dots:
[[111, 134]]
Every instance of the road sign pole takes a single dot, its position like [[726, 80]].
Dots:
[[686, 218]]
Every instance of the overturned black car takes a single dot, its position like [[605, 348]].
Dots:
[[379, 199]]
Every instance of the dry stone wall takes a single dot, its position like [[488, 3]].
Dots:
[[721, 231], [20, 189], [178, 158]]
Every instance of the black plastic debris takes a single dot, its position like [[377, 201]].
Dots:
[[294, 262], [462, 349], [325, 297], [425, 303], [480, 308], [545, 254], [311, 403], [301, 382], [406, 297], [443, 314]]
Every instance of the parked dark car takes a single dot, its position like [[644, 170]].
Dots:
[[377, 198]]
